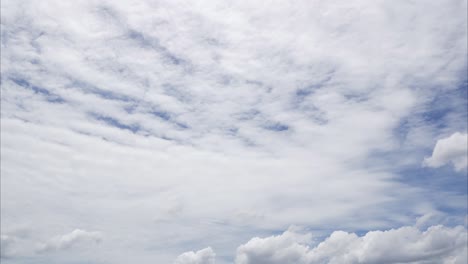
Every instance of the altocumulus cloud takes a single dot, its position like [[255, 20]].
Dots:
[[163, 124]]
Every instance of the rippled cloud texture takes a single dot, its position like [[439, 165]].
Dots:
[[235, 131]]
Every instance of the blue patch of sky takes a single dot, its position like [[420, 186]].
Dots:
[[133, 102], [35, 44], [302, 93], [444, 178], [161, 114], [227, 79], [457, 214], [116, 123], [131, 108], [445, 103], [49, 96], [306, 90], [141, 39], [182, 125], [277, 127], [213, 41], [247, 115], [319, 118], [106, 94], [356, 97], [314, 113], [307, 108], [254, 82], [445, 113], [166, 116], [403, 128], [175, 92], [154, 43], [436, 182], [232, 131], [35, 62]]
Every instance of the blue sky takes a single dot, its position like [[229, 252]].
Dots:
[[234, 132]]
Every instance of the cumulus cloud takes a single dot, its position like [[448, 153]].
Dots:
[[289, 247], [203, 256], [450, 150], [437, 244], [71, 239]]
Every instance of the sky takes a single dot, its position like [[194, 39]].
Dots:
[[241, 132]]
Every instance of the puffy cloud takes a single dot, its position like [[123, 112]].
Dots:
[[438, 244], [203, 256], [68, 240], [289, 247], [452, 149]]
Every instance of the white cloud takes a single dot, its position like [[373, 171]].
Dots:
[[289, 247], [438, 244], [203, 256], [450, 150], [69, 240], [184, 121]]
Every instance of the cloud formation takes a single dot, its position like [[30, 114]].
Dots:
[[166, 123], [437, 244], [203, 256], [71, 239], [450, 150]]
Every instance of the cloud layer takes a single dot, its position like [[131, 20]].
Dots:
[[163, 124]]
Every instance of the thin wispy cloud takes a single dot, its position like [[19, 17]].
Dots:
[[163, 127]]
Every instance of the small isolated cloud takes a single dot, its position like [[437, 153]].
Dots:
[[203, 256], [78, 236], [438, 244], [452, 149]]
